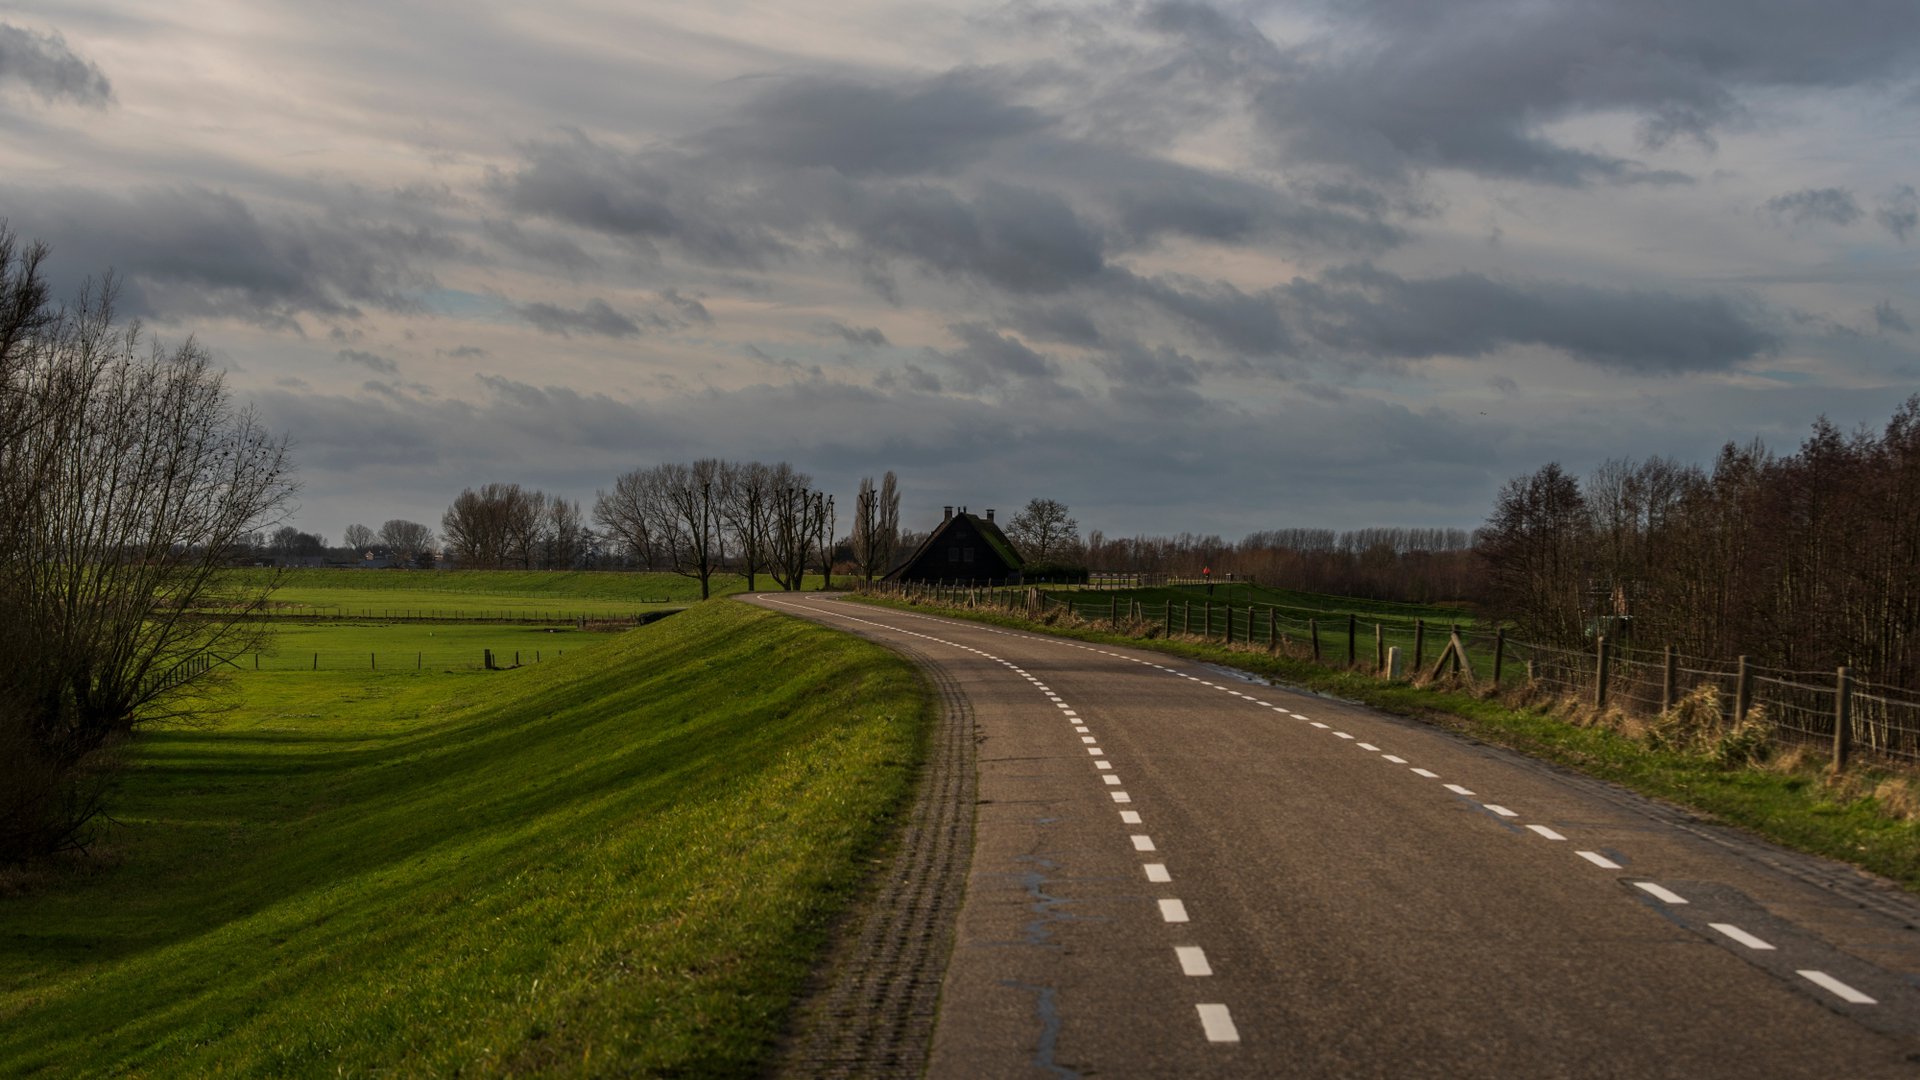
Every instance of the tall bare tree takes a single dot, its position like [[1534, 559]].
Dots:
[[745, 506], [358, 537], [791, 526], [876, 526]]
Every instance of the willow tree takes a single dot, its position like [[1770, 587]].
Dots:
[[128, 477]]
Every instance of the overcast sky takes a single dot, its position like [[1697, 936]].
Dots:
[[1181, 266]]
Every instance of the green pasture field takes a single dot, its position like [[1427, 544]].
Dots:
[[1292, 601], [622, 861], [355, 647], [555, 595]]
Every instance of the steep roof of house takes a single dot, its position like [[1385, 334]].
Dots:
[[988, 531]]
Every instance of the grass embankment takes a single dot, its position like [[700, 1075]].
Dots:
[[620, 863], [1867, 817], [559, 595]]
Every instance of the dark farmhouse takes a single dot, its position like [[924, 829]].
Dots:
[[963, 548]]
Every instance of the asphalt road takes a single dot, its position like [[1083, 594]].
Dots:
[[1180, 872]]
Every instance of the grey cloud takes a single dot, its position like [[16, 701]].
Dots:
[[909, 376], [1221, 313], [466, 352], [1067, 323], [596, 316], [988, 359], [689, 309], [1374, 313], [573, 179], [1395, 86], [369, 360], [1899, 212], [868, 336], [188, 250], [1888, 317], [932, 126], [1835, 206], [1016, 238], [44, 65]]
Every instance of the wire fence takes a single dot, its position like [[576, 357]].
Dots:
[[394, 660], [1831, 710]]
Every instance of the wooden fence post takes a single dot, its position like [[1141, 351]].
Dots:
[[1229, 622], [1186, 618], [1499, 654], [1742, 691], [1669, 678], [1842, 716], [1313, 627], [1419, 642], [1353, 630], [1453, 641], [1207, 631], [1379, 649], [1169, 617], [1600, 675], [1273, 629]]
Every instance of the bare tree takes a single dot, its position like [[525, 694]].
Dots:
[[626, 516], [563, 536], [494, 527], [406, 541], [745, 506], [791, 526], [1043, 532], [358, 537], [674, 510], [876, 526], [128, 476]]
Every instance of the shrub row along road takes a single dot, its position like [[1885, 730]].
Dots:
[[1181, 872]]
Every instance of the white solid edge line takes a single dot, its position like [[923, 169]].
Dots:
[[1598, 860], [1173, 911], [1741, 936], [1546, 832], [1659, 892], [1193, 959], [1840, 989], [1142, 842], [1501, 810], [1157, 872], [1218, 1023]]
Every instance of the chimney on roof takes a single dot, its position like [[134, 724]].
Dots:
[[949, 513], [989, 513]]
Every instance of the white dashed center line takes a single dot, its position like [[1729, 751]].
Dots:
[[1501, 810], [1741, 936], [1426, 773], [1836, 987], [1142, 842], [1218, 1023], [1369, 747], [1157, 872], [1396, 759], [1173, 911], [1546, 832], [1458, 790], [1128, 817], [1193, 960], [1664, 895], [1598, 860]]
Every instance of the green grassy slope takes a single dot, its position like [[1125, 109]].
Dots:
[[617, 863]]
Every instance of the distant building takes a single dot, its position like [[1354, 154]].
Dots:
[[964, 548]]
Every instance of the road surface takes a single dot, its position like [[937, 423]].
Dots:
[[1179, 871]]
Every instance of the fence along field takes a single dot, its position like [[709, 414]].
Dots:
[[1833, 710]]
